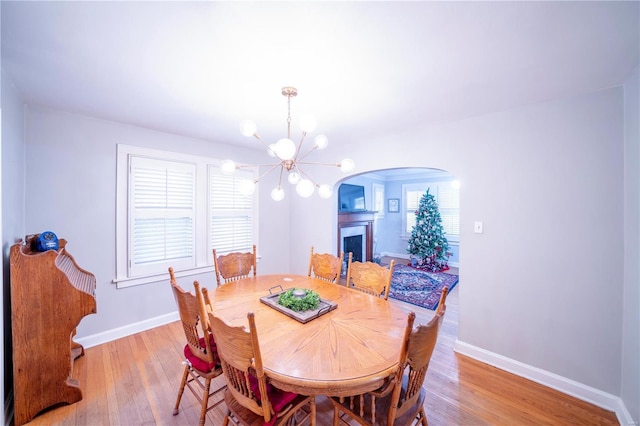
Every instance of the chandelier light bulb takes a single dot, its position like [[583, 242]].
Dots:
[[305, 188], [246, 187], [321, 141], [308, 123], [285, 149], [248, 128], [325, 191], [293, 178], [277, 194], [228, 167], [347, 165]]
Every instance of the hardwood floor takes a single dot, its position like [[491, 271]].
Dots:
[[134, 381]]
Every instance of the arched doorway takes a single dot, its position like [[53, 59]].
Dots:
[[390, 198]]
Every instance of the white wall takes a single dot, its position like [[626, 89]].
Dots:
[[70, 189], [543, 284], [545, 278], [12, 207], [12, 165], [630, 392]]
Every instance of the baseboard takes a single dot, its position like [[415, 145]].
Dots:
[[397, 255], [552, 380], [406, 256], [127, 330]]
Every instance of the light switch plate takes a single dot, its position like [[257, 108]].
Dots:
[[477, 227]]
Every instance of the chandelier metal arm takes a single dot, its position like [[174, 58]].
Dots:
[[255, 135], [304, 134], [307, 177], [318, 164], [247, 166], [280, 178], [275, 166], [309, 151]]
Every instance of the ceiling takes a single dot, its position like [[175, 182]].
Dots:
[[363, 68]]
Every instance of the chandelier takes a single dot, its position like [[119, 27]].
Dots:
[[288, 157]]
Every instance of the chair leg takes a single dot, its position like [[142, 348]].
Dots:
[[423, 417], [226, 419], [176, 409], [336, 416], [313, 411], [205, 401]]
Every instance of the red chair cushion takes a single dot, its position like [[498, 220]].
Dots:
[[279, 399], [199, 364]]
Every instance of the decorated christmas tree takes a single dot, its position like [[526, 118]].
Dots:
[[428, 246]]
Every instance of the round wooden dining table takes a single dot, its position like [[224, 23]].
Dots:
[[349, 350]]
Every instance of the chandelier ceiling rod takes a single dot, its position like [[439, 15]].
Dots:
[[289, 92]]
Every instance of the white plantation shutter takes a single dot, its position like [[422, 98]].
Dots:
[[231, 214], [162, 215], [378, 199], [449, 207], [412, 201]]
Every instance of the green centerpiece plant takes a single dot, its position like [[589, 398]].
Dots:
[[298, 299]]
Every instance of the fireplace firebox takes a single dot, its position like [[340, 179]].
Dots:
[[353, 245]]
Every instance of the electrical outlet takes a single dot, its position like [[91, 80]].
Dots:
[[477, 227]]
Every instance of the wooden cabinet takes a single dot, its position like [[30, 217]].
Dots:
[[50, 294]]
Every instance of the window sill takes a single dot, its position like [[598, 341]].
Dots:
[[125, 282]]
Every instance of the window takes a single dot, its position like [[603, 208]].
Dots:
[[378, 199], [448, 199], [162, 215], [411, 203], [447, 196], [172, 209], [230, 213]]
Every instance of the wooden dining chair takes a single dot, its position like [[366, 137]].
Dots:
[[250, 399], [206, 298], [201, 364], [400, 401], [325, 266], [370, 277], [234, 266]]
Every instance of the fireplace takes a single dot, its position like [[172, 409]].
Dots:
[[355, 235], [353, 241]]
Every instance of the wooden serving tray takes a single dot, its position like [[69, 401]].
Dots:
[[324, 307]]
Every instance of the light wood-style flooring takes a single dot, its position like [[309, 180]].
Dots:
[[134, 381]]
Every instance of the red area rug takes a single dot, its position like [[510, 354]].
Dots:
[[420, 287]]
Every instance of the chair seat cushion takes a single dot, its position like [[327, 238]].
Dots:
[[199, 364], [279, 399]]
